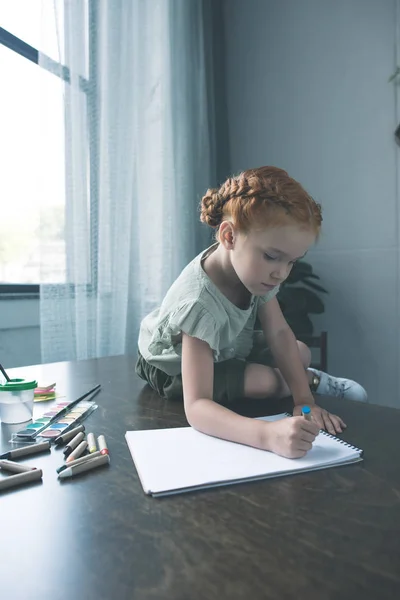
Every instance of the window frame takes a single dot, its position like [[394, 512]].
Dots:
[[89, 87]]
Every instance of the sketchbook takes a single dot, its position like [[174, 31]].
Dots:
[[176, 460]]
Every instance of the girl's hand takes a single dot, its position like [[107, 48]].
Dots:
[[324, 419], [292, 437]]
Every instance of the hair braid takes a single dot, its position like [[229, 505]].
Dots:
[[265, 196]]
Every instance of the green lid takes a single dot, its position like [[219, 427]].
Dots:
[[15, 385]]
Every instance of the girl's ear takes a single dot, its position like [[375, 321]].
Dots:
[[227, 234]]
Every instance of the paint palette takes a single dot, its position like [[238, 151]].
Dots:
[[48, 426]]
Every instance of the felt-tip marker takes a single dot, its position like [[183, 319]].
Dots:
[[86, 466], [306, 412], [32, 449], [77, 452], [78, 461], [102, 444], [20, 479], [72, 444], [65, 437], [91, 443], [14, 467]]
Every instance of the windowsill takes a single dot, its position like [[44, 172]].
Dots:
[[20, 296]]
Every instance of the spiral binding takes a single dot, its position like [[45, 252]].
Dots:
[[334, 437], [343, 442]]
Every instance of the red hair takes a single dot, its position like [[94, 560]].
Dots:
[[263, 197]]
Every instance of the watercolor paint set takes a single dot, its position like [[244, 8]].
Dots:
[[58, 420], [44, 427]]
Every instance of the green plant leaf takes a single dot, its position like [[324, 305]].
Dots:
[[316, 287], [297, 276], [300, 299], [300, 271], [292, 299], [302, 266], [297, 298], [301, 324], [394, 75]]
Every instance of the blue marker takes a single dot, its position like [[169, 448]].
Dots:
[[306, 412]]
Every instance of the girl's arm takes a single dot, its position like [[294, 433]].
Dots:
[[283, 345], [201, 411], [289, 437], [282, 342]]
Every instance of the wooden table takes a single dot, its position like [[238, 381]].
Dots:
[[331, 534]]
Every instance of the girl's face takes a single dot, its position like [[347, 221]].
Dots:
[[262, 259]]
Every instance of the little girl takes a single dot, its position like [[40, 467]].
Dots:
[[201, 343]]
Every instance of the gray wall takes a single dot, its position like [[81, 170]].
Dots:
[[307, 88]]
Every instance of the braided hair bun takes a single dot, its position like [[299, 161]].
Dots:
[[262, 197], [211, 208]]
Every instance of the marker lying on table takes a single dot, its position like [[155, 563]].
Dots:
[[65, 437], [73, 443], [20, 479], [102, 444], [77, 452], [306, 412], [78, 461], [13, 467], [91, 443], [32, 449], [85, 466]]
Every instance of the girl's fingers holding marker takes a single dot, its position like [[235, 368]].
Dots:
[[307, 436], [303, 445]]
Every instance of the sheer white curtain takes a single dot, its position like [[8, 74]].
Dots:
[[139, 153]]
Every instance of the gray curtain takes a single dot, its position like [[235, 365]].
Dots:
[[145, 131]]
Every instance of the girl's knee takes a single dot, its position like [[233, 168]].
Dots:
[[305, 354], [260, 381]]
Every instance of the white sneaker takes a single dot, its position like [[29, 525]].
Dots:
[[339, 387]]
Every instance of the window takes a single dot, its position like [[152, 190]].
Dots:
[[32, 147]]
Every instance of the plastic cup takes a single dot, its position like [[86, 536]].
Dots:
[[16, 400]]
